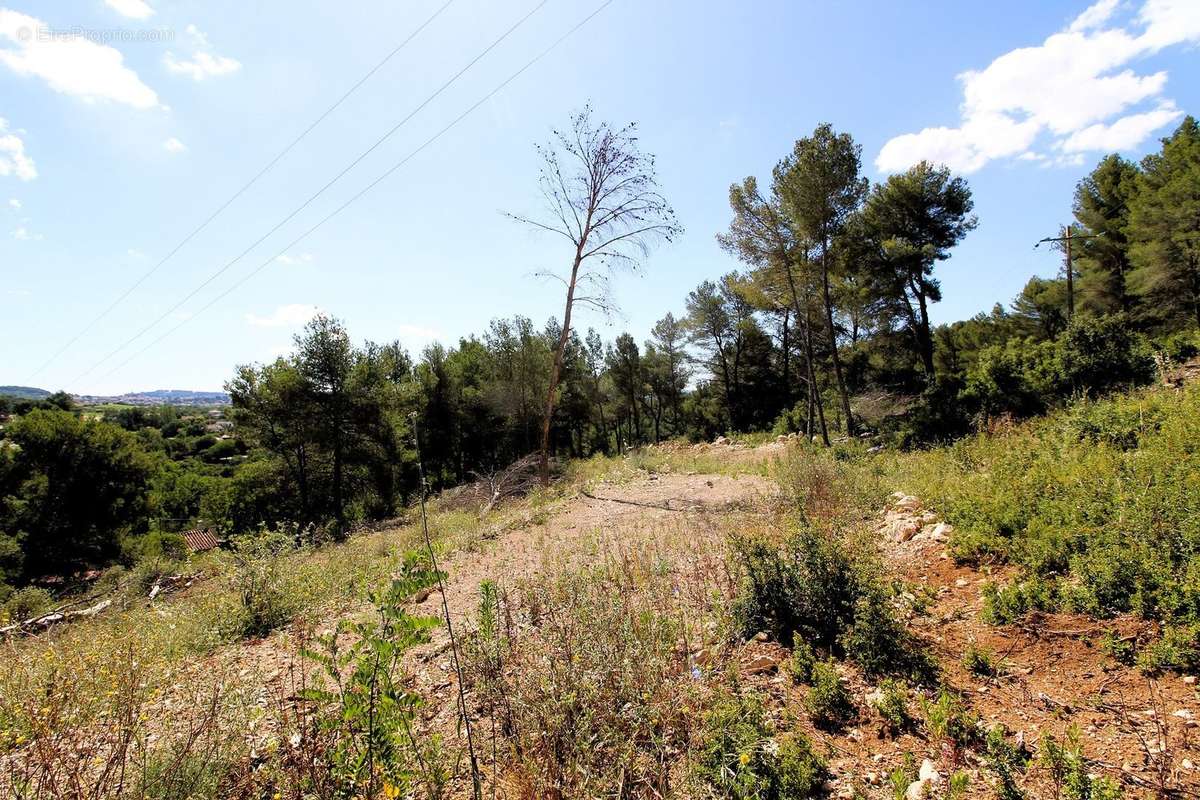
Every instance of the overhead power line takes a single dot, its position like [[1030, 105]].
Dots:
[[183, 242], [378, 142], [237, 285]]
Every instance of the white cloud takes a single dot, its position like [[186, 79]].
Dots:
[[290, 260], [23, 234], [173, 145], [14, 204], [203, 63], [292, 315], [133, 252], [1095, 15], [134, 9], [13, 160], [1123, 134], [70, 63], [1074, 87]]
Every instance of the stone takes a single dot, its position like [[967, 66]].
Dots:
[[760, 664], [961, 582], [928, 773]]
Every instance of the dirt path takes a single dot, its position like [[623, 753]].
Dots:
[[607, 520]]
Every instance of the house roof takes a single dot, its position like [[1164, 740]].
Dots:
[[200, 539]]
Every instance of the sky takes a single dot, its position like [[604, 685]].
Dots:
[[125, 124]]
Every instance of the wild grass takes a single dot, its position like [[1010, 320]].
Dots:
[[1097, 504], [132, 702]]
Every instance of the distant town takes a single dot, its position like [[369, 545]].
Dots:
[[157, 397]]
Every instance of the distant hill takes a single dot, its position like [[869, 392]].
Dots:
[[159, 397], [25, 392]]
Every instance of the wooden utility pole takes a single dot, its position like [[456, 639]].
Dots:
[[1070, 279], [1065, 241]]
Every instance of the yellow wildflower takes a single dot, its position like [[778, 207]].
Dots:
[[744, 759]]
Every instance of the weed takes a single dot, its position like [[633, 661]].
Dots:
[[948, 720], [828, 701], [257, 580], [1068, 770], [1012, 602], [801, 664], [742, 758], [367, 713], [1006, 761], [891, 701], [592, 696], [980, 661]]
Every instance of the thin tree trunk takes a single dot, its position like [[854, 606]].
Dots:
[[802, 318], [833, 347], [556, 370]]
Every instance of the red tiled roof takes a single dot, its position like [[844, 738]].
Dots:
[[200, 539]]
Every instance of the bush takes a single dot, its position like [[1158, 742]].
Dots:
[[1177, 650], [263, 603], [801, 664], [1006, 761], [163, 545], [891, 702], [948, 720], [805, 587], [811, 589], [980, 661], [879, 643], [25, 603], [828, 701], [1004, 605], [1098, 354], [741, 757]]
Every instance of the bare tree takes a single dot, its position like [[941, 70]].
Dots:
[[602, 196]]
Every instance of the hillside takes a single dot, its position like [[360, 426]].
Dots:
[[735, 619], [24, 392]]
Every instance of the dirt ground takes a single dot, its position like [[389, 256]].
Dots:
[[1140, 730]]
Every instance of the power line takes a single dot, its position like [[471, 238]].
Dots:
[[242, 190], [229, 264], [237, 285]]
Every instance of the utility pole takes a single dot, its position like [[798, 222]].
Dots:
[[1070, 279], [1065, 242]]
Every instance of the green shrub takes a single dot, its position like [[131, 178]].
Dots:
[[1177, 650], [257, 579], [980, 661], [879, 643], [828, 701], [25, 603], [1097, 354], [162, 545], [1069, 773], [801, 664], [742, 758], [1003, 605], [949, 720], [805, 587], [812, 589], [892, 705], [1006, 761]]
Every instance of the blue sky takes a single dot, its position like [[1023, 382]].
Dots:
[[128, 122]]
